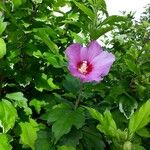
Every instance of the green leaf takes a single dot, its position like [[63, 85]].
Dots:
[[37, 104], [145, 66], [29, 133], [92, 140], [72, 138], [44, 83], [49, 31], [4, 142], [132, 53], [46, 39], [2, 48], [17, 3], [56, 61], [144, 132], [64, 147], [137, 147], [37, 54], [113, 20], [85, 9], [72, 84], [140, 118], [132, 65], [20, 101], [64, 118], [95, 114], [77, 38], [91, 2], [2, 26], [43, 141], [107, 124], [101, 5], [100, 31], [127, 105], [115, 92], [2, 6], [8, 115]]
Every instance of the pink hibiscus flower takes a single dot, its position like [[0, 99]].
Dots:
[[89, 63]]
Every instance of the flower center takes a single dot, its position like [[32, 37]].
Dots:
[[84, 67]]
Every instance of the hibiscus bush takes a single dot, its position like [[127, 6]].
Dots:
[[72, 77]]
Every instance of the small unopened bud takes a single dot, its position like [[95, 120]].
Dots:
[[127, 145]]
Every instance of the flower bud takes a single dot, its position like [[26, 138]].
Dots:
[[127, 145]]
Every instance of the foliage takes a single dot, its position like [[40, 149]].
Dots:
[[42, 107]]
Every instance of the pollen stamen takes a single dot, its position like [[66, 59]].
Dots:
[[84, 67]]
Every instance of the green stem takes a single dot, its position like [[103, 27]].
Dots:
[[79, 97]]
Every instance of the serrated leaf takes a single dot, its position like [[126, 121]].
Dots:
[[107, 124], [44, 83], [37, 104], [140, 118], [43, 141], [92, 140], [63, 126], [115, 92], [72, 84], [133, 53], [132, 65], [4, 142], [64, 147], [20, 101], [64, 118], [2, 48], [8, 115], [85, 9], [28, 135], [72, 138]]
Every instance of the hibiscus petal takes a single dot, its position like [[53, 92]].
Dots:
[[84, 54], [106, 70], [94, 50], [92, 77], [75, 72], [102, 64], [73, 53], [103, 59]]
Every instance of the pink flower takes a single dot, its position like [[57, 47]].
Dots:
[[89, 63]]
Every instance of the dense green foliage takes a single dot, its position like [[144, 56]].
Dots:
[[43, 107]]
